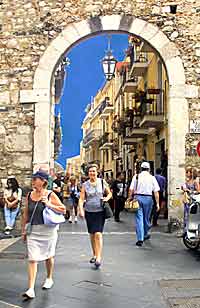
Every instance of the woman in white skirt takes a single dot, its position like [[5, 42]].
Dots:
[[41, 243]]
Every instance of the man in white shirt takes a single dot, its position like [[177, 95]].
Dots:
[[142, 187]]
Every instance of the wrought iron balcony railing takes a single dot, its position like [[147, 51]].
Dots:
[[93, 135], [107, 138], [106, 103]]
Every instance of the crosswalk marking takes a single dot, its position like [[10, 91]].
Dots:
[[10, 305]]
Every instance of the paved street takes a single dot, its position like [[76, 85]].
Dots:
[[130, 276]]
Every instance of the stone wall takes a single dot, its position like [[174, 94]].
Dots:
[[27, 27]]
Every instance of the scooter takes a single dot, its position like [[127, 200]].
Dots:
[[191, 234]]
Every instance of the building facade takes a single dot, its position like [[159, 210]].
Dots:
[[97, 131], [73, 166], [127, 122]]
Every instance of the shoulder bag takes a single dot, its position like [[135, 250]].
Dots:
[[28, 225], [52, 217], [106, 207], [132, 205]]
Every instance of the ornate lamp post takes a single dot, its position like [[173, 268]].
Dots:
[[109, 63]]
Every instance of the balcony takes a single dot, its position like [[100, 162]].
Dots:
[[119, 125], [138, 132], [106, 108], [129, 84], [131, 141], [115, 146], [152, 110], [106, 141], [91, 137], [140, 66]]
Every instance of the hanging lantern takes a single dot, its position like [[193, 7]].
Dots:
[[109, 63]]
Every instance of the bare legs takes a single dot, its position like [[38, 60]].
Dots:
[[50, 267], [32, 271], [97, 245]]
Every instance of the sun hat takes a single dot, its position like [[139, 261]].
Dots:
[[41, 175], [145, 165]]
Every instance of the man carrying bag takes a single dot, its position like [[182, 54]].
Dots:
[[142, 189]]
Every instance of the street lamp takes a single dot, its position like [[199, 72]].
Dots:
[[109, 63]]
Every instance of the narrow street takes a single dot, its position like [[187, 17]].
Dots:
[[156, 275]]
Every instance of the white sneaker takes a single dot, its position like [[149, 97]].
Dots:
[[29, 294], [76, 219], [70, 219], [48, 284]]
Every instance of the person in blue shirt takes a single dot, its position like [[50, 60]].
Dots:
[[162, 184]]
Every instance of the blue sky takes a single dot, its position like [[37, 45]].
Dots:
[[84, 78]]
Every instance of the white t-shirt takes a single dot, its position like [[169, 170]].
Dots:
[[146, 184]]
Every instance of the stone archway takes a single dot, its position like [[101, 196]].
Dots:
[[177, 109]]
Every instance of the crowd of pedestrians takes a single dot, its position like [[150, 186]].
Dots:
[[84, 198]]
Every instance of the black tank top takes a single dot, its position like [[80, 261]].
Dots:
[[38, 216]]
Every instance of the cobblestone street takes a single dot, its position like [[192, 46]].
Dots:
[[160, 274]]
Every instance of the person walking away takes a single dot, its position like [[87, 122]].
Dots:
[[41, 243], [57, 186], [162, 184], [13, 198], [65, 195], [74, 193], [50, 179], [118, 190], [92, 197], [141, 188]]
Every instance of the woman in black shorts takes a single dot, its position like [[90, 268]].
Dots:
[[92, 193]]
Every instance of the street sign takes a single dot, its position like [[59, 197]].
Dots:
[[195, 126], [198, 148]]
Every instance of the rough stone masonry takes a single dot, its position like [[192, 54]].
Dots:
[[27, 27]]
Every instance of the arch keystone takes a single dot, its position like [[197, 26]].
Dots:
[[111, 22]]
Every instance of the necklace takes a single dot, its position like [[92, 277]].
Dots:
[[93, 183]]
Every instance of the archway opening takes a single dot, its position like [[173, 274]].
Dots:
[[126, 116], [177, 107]]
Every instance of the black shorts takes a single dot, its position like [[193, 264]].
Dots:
[[95, 221]]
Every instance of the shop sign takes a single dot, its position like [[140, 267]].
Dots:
[[195, 126]]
